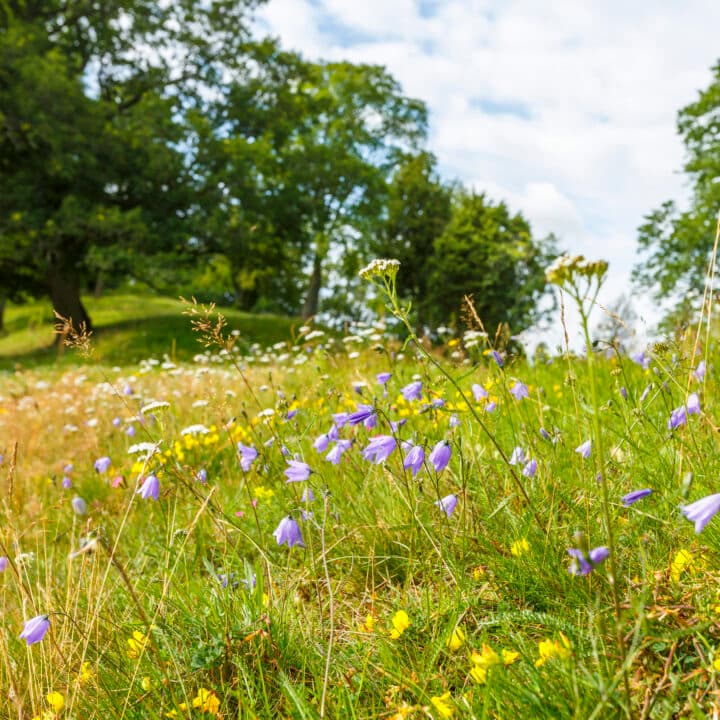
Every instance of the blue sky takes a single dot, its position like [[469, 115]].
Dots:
[[565, 109]]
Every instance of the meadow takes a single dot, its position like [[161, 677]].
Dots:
[[363, 526]]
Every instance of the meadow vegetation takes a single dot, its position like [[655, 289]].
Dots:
[[361, 528]]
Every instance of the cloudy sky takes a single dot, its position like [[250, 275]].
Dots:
[[566, 109]]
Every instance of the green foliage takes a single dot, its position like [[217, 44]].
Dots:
[[676, 244], [490, 254]]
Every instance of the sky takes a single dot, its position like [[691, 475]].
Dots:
[[565, 109]]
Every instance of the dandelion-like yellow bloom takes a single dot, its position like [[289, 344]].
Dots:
[[442, 705], [56, 701], [400, 622], [550, 649]]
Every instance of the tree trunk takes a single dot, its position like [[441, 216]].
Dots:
[[312, 299], [99, 285], [65, 297]]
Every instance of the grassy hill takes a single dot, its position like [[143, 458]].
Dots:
[[127, 329]]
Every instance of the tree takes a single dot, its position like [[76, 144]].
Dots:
[[489, 253], [676, 245], [93, 135], [616, 327], [418, 210]]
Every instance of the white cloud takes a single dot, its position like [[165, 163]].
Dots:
[[565, 109]]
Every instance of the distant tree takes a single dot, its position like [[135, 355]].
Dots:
[[675, 244], [617, 325], [94, 147], [489, 253], [418, 210]]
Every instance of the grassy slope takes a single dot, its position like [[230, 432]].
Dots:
[[127, 329]]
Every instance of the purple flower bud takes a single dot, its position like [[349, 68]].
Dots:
[[584, 449], [117, 422], [288, 531], [361, 415], [678, 417], [641, 359], [699, 371], [693, 404], [66, 483], [291, 414], [307, 495], [491, 406], [297, 471], [333, 433], [68, 468], [3, 563], [414, 459], [497, 357], [440, 455], [454, 421], [634, 496], [519, 390], [447, 504], [201, 475], [127, 390], [624, 393], [321, 443], [102, 464], [383, 377], [130, 431], [379, 448], [702, 511], [645, 393], [412, 391], [150, 489], [35, 629], [79, 505], [530, 469], [395, 425], [544, 433]]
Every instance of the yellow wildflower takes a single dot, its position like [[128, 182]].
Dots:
[[520, 547], [207, 701], [263, 493], [403, 712], [369, 625], [442, 705], [146, 683], [681, 562], [509, 656], [136, 644], [485, 659], [549, 649], [401, 622], [86, 674], [56, 701], [456, 640]]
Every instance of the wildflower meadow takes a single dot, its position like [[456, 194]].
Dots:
[[365, 525]]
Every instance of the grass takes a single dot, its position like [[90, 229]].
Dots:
[[188, 607], [128, 328]]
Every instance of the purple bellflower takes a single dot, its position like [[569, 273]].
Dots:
[[447, 504], [497, 357], [248, 454], [641, 359], [454, 421], [340, 419], [491, 406], [307, 495], [545, 434], [699, 371], [634, 496], [702, 511], [102, 464], [582, 565], [201, 475], [288, 531], [440, 455], [79, 505], [519, 390], [66, 483], [150, 489], [3, 563], [383, 377], [584, 449], [693, 404], [321, 442], [624, 393], [530, 469], [678, 417], [412, 391], [297, 471], [364, 414], [336, 453], [35, 629], [479, 392], [379, 448], [414, 459], [517, 457]]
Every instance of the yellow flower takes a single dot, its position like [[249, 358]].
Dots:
[[485, 659], [681, 562], [442, 705], [401, 622], [369, 625], [456, 640], [520, 547], [146, 683], [174, 713], [136, 644], [207, 701], [403, 712], [263, 493], [86, 674], [56, 701], [549, 649], [509, 656]]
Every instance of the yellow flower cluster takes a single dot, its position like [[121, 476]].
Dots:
[[485, 659], [550, 649], [206, 701], [400, 623], [136, 644]]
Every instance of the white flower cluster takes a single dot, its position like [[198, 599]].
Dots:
[[380, 268], [566, 267]]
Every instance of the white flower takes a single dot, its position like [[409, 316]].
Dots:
[[154, 405], [195, 430]]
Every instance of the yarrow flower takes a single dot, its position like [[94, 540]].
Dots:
[[702, 511], [440, 455], [150, 489], [447, 504], [380, 267], [634, 496], [288, 531], [379, 448], [297, 471], [582, 565], [35, 629]]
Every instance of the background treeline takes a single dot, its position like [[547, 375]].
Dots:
[[161, 144]]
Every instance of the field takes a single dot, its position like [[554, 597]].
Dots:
[[277, 532]]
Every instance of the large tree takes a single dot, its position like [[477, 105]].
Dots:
[[488, 252], [676, 244], [93, 134]]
